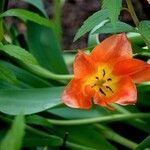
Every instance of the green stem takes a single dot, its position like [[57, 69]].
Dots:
[[132, 12], [46, 73], [110, 118], [113, 136]]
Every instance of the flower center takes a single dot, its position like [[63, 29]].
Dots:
[[103, 81]]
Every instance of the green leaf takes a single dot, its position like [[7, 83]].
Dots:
[[28, 16], [33, 141], [144, 87], [18, 53], [135, 38], [144, 29], [7, 75], [119, 27], [45, 47], [144, 145], [25, 76], [7, 85], [38, 120], [29, 101], [70, 113], [13, 139], [91, 22], [38, 4], [113, 8]]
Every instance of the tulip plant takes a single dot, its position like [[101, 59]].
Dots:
[[103, 104]]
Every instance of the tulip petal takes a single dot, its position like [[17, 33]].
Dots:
[[83, 65], [113, 48], [126, 94], [73, 95], [142, 76], [129, 66]]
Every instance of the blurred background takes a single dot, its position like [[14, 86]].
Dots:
[[74, 13]]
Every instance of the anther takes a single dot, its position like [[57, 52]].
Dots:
[[97, 78], [109, 79], [102, 91], [109, 88], [93, 85], [104, 72]]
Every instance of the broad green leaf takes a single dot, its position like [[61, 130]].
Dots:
[[144, 145], [7, 75], [26, 77], [70, 113], [45, 47], [113, 8], [91, 22], [29, 101], [26, 15], [7, 85], [18, 53], [119, 27], [144, 29], [38, 4], [13, 139]]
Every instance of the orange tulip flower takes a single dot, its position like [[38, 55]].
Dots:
[[107, 75]]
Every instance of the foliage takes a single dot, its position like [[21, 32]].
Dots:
[[33, 75]]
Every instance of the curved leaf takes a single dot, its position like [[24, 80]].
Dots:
[[28, 101], [144, 29], [91, 22], [18, 53], [119, 27], [113, 8], [28, 16]]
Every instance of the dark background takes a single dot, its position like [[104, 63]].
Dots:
[[74, 12]]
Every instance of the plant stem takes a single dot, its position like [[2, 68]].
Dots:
[[46, 73], [113, 136], [110, 118], [132, 12]]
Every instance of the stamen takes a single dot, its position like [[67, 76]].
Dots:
[[104, 72], [109, 88], [93, 85], [102, 91], [97, 78], [109, 79]]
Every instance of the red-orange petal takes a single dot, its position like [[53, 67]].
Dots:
[[83, 65], [129, 67], [73, 95], [112, 48], [126, 94], [142, 76]]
